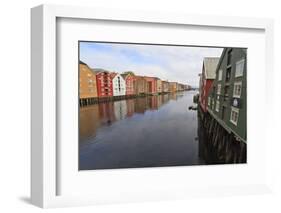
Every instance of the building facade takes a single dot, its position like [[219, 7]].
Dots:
[[159, 85], [87, 82], [173, 86], [151, 85], [180, 87], [140, 85], [206, 79], [130, 83], [104, 83], [227, 100], [165, 86], [118, 84]]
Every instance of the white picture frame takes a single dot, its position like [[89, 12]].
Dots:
[[44, 155]]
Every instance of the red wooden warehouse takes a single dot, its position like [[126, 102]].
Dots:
[[206, 79], [152, 85], [130, 81], [104, 83]]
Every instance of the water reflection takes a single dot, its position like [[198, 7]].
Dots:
[[141, 132], [120, 109], [89, 121]]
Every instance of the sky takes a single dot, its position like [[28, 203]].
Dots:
[[173, 63]]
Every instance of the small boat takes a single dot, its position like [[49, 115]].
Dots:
[[192, 108]]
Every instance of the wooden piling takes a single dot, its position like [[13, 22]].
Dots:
[[219, 143]]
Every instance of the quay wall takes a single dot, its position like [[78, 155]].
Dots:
[[96, 100]]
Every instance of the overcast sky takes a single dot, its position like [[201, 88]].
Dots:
[[172, 63]]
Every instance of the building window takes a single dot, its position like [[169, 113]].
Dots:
[[223, 112], [228, 74], [219, 89], [226, 90], [217, 106], [229, 57], [220, 75], [234, 115], [237, 90], [213, 91], [239, 68]]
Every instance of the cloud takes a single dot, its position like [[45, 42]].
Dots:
[[173, 63]]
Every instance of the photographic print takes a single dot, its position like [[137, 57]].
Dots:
[[155, 105]]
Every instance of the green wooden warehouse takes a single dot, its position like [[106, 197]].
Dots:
[[227, 99]]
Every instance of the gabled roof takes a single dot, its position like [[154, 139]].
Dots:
[[139, 77], [150, 77], [210, 66], [98, 70], [93, 71], [125, 75], [113, 74], [81, 62]]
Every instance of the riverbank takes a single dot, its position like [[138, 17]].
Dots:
[[96, 100]]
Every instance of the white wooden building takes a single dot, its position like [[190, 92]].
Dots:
[[118, 84]]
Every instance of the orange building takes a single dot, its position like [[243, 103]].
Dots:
[[173, 86], [87, 84]]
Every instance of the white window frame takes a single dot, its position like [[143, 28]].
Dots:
[[217, 106], [241, 72], [219, 89], [238, 83], [220, 75], [236, 110]]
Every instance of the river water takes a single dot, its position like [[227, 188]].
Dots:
[[150, 131]]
